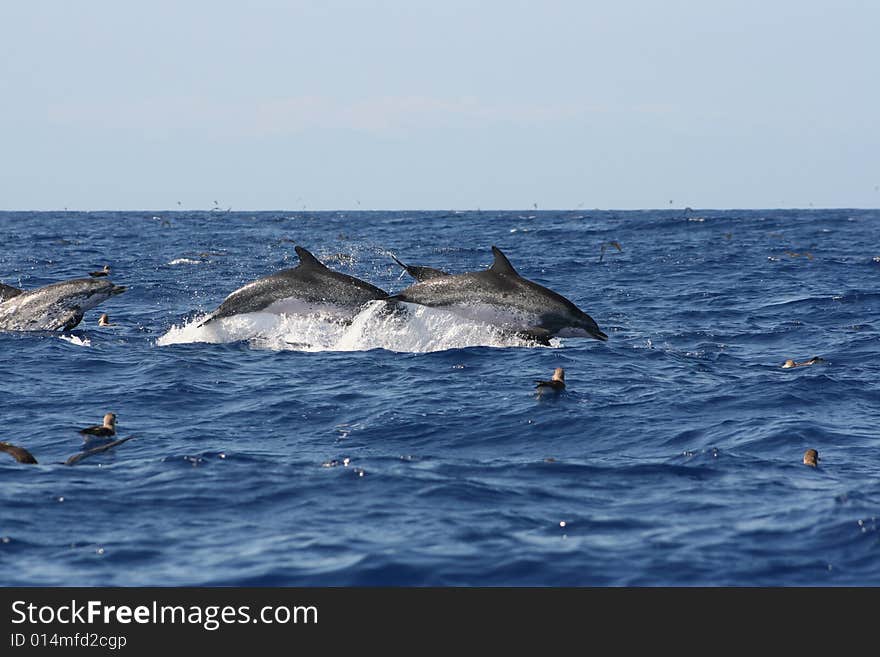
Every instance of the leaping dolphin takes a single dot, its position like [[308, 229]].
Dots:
[[502, 297], [310, 287], [54, 307]]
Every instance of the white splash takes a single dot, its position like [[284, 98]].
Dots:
[[75, 339], [420, 329], [185, 261]]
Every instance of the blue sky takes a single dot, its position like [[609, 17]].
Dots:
[[439, 105]]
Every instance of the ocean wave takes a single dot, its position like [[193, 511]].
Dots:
[[185, 261], [411, 449], [419, 330], [76, 340]]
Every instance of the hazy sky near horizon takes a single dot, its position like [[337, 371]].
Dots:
[[439, 105]]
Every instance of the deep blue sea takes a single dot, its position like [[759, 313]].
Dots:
[[284, 451]]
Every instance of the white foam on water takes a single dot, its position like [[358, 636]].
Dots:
[[75, 339], [185, 261], [419, 329]]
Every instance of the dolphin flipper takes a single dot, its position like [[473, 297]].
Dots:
[[71, 318], [210, 318], [535, 334]]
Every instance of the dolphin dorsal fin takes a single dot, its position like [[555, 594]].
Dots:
[[502, 264], [307, 259]]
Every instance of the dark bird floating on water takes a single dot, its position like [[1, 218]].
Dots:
[[556, 384], [20, 454], [106, 430], [811, 458], [104, 271], [815, 360]]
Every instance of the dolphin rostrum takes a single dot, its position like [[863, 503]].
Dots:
[[54, 307], [310, 287], [502, 297]]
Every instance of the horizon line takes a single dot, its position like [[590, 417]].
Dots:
[[221, 211]]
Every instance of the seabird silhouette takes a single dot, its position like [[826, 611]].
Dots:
[[811, 458], [556, 384], [106, 430], [20, 454], [813, 361]]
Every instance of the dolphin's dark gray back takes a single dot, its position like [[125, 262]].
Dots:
[[501, 287], [310, 281], [450, 289]]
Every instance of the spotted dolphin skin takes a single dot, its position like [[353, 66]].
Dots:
[[55, 307], [500, 296], [310, 287]]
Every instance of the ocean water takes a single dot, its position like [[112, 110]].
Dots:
[[288, 451]]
